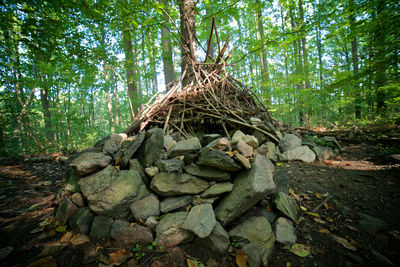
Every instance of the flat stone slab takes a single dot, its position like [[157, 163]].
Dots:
[[122, 232], [172, 203], [131, 149], [217, 159], [217, 241], [200, 220], [250, 186], [185, 147], [170, 232], [175, 183], [284, 231], [217, 189], [151, 148], [207, 173], [286, 205], [90, 162], [145, 207]]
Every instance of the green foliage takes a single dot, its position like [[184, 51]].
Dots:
[[63, 67]]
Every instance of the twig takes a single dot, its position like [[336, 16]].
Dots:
[[321, 204], [166, 122]]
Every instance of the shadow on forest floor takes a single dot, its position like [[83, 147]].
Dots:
[[359, 226]]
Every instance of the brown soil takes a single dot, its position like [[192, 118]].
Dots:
[[363, 179]]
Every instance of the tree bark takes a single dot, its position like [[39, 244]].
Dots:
[[263, 56], [133, 92], [188, 47], [379, 60], [166, 46], [354, 57]]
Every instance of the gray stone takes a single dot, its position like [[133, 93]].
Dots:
[[282, 182], [101, 142], [169, 165], [122, 232], [255, 121], [77, 199], [217, 189], [101, 227], [289, 142], [250, 186], [185, 147], [131, 149], [261, 150], [112, 145], [90, 162], [169, 142], [259, 212], [207, 173], [254, 252], [303, 153], [243, 160], [151, 148], [284, 231], [151, 171], [223, 144], [217, 241], [245, 149], [237, 136], [251, 141], [260, 136], [271, 152], [145, 207], [172, 203], [72, 179], [82, 220], [198, 200], [175, 183], [151, 222], [286, 205], [65, 210], [255, 230], [190, 158], [170, 232], [134, 164], [217, 159], [110, 192], [208, 138], [200, 220]]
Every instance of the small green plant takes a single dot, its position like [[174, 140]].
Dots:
[[138, 252], [234, 243], [152, 246]]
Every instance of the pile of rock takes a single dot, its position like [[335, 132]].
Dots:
[[206, 189]]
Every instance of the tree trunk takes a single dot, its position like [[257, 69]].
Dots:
[[44, 92], [166, 45], [263, 56], [379, 60], [133, 92], [188, 47], [152, 52], [354, 57]]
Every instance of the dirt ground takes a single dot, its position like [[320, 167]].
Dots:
[[359, 224]]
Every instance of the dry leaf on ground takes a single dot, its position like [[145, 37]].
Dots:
[[240, 258], [300, 250], [79, 239], [194, 263], [47, 261]]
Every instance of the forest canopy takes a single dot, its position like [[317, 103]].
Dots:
[[74, 71]]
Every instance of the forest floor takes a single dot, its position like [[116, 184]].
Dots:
[[358, 226]]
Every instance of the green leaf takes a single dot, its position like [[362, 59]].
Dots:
[[300, 250]]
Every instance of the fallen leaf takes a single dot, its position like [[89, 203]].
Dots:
[[47, 183], [211, 263], [313, 214], [326, 205], [132, 224], [318, 220], [329, 219], [344, 243], [141, 221], [324, 231], [47, 261], [61, 229], [188, 208], [300, 250], [303, 208], [51, 233], [117, 167], [279, 164], [193, 263], [240, 258], [120, 256], [34, 206], [269, 207], [288, 264], [395, 234], [79, 239], [319, 195], [353, 228], [66, 237]]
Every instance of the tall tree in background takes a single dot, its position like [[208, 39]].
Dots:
[[354, 57], [188, 42], [263, 54], [166, 45]]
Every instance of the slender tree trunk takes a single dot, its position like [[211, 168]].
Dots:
[[263, 56], [379, 60], [166, 46], [116, 102], [354, 57], [188, 31], [44, 96], [152, 52], [133, 92]]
